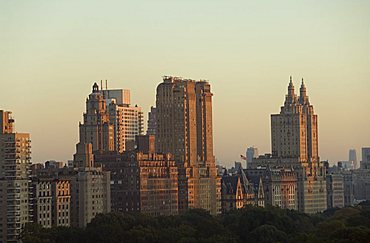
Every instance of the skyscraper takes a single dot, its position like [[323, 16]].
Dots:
[[97, 128], [352, 157], [15, 160], [294, 132], [294, 140], [184, 128], [294, 144]]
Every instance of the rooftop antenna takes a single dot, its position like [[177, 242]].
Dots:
[[106, 84], [101, 84]]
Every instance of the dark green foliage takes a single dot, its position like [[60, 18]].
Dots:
[[250, 224]]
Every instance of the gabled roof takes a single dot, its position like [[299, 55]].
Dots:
[[230, 184], [255, 180], [246, 185]]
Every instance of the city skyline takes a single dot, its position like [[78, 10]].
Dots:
[[49, 66]]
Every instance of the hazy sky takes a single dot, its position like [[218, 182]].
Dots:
[[51, 52]]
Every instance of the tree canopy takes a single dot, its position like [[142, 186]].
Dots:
[[250, 224]]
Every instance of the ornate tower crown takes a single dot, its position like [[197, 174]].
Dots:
[[303, 98]]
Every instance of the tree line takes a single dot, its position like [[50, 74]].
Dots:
[[250, 224]]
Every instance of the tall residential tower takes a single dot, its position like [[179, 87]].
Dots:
[[15, 159], [294, 141], [184, 128]]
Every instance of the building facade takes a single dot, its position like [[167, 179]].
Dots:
[[281, 188], [127, 120], [278, 184], [61, 202], [335, 190], [232, 193], [142, 182], [51, 199], [152, 121], [15, 161], [349, 196], [361, 184], [89, 187], [184, 129], [42, 202]]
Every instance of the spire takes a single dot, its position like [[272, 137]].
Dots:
[[303, 99], [303, 88], [291, 88], [290, 98], [95, 88]]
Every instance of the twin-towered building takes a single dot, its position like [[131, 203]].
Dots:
[[294, 144]]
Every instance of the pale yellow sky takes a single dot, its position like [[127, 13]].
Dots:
[[53, 51]]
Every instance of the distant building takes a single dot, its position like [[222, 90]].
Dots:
[[221, 170], [346, 165], [335, 190], [365, 162], [352, 157], [251, 153], [54, 164], [15, 161], [152, 121], [70, 164], [235, 169]]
